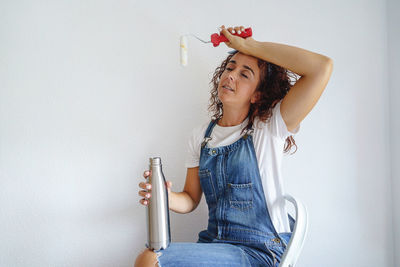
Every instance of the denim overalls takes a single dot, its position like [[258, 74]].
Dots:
[[238, 214], [231, 183]]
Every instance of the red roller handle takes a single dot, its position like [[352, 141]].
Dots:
[[216, 39]]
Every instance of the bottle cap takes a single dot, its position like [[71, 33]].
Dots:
[[155, 161]]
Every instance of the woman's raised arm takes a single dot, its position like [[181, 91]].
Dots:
[[315, 70]]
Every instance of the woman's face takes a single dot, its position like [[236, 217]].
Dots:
[[241, 75]]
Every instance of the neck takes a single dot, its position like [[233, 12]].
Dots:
[[232, 117]]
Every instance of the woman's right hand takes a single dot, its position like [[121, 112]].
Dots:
[[146, 194]]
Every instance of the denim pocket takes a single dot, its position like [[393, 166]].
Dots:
[[240, 196], [207, 186]]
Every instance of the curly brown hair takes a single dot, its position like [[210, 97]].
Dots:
[[274, 84]]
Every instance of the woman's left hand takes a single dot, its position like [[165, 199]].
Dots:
[[234, 41]]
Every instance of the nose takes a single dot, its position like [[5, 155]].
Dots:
[[232, 75]]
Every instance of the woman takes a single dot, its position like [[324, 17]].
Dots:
[[235, 159]]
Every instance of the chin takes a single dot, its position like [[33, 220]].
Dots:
[[225, 97], [225, 100]]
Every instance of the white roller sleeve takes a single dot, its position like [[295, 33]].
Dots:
[[184, 53]]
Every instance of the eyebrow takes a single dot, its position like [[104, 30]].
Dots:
[[245, 66]]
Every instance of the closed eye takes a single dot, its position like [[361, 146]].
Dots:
[[229, 69]]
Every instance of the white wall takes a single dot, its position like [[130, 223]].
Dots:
[[89, 90], [393, 9]]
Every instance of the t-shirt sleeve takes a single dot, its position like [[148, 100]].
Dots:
[[278, 126], [193, 149]]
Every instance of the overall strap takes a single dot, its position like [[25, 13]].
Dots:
[[248, 132], [208, 132]]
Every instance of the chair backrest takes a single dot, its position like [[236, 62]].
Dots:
[[299, 229]]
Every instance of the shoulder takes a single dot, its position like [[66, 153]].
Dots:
[[275, 125], [198, 132], [275, 112], [200, 129]]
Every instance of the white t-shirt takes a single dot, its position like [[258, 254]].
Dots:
[[269, 140]]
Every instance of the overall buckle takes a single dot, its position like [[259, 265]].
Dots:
[[206, 139]]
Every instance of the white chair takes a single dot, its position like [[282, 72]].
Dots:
[[299, 231]]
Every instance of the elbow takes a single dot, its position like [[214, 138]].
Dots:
[[195, 204], [330, 61], [325, 67], [322, 66], [327, 64], [192, 201]]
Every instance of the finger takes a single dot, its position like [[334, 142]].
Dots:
[[237, 29], [144, 194], [226, 33], [231, 30], [242, 28], [143, 202], [146, 173], [145, 185]]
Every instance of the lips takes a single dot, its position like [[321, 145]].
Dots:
[[228, 88]]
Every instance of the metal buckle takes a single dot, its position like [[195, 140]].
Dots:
[[206, 139], [248, 132]]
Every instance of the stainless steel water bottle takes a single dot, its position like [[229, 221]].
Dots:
[[158, 228]]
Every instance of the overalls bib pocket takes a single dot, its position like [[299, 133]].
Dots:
[[207, 186], [240, 196]]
